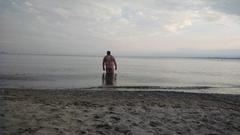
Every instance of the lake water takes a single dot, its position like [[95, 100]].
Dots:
[[61, 72]]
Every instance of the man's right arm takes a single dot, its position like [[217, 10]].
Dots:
[[103, 64]]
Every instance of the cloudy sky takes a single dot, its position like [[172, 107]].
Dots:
[[136, 27]]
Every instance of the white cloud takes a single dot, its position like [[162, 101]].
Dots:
[[41, 19], [178, 26], [28, 4], [63, 12]]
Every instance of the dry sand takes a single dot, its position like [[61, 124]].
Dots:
[[74, 112]]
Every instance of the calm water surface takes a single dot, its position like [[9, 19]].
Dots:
[[54, 72]]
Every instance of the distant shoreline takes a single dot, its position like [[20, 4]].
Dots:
[[140, 57]]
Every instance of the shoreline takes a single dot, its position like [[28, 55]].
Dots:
[[117, 112], [175, 89]]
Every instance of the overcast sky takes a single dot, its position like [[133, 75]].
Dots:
[[126, 27]]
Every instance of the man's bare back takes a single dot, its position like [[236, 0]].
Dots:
[[109, 63]]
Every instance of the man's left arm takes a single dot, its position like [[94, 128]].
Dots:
[[115, 63], [103, 64]]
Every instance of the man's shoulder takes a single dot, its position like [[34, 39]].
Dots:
[[108, 57], [105, 56], [112, 57]]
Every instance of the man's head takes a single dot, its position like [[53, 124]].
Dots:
[[108, 53]]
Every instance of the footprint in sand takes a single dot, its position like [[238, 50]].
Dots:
[[115, 118], [96, 117], [154, 123], [123, 129], [104, 126]]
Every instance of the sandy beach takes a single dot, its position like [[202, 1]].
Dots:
[[75, 112]]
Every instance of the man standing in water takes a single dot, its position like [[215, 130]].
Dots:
[[109, 63]]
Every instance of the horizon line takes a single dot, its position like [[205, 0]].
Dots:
[[124, 56]]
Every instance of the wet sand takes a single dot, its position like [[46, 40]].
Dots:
[[74, 112]]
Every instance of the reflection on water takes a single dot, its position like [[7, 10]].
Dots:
[[109, 79]]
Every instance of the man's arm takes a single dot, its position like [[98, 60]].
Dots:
[[103, 64], [115, 63]]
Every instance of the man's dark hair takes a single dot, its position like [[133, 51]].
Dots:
[[108, 52]]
